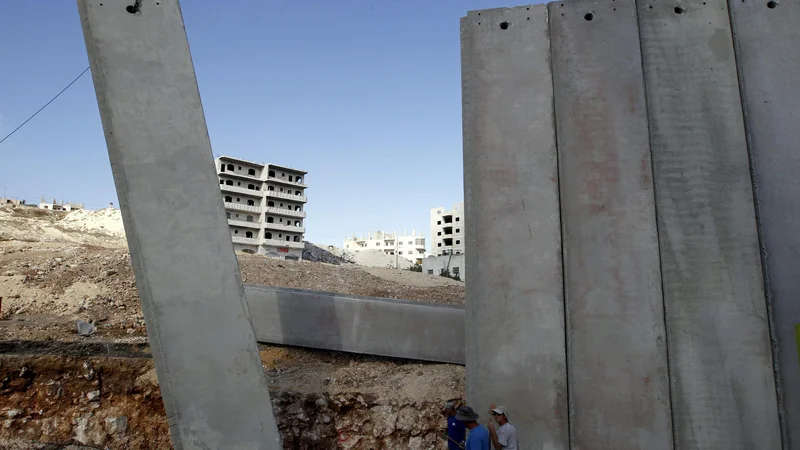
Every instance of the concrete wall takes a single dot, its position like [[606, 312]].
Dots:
[[664, 315], [515, 317], [720, 361], [198, 322], [767, 38]]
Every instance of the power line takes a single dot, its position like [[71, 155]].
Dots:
[[45, 106]]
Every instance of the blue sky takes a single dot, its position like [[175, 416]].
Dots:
[[364, 95]]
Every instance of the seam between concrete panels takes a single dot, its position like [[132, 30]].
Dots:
[[658, 231], [565, 303]]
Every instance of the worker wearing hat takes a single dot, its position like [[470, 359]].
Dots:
[[478, 438], [456, 431], [504, 437]]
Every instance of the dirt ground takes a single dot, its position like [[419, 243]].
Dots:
[[58, 388]]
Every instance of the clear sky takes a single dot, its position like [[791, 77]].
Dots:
[[364, 95]]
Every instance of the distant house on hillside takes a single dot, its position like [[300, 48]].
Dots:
[[55, 206], [4, 201]]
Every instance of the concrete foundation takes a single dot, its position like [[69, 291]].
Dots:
[[203, 343], [372, 326], [515, 317], [723, 389], [767, 37], [618, 374]]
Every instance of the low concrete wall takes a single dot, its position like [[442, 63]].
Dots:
[[372, 326]]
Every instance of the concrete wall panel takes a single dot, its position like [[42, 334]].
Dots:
[[372, 326], [618, 373], [723, 388], [203, 343], [515, 318], [767, 38]]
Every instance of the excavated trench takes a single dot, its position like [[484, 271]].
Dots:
[[105, 395]]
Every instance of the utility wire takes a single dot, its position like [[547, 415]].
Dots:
[[45, 105]]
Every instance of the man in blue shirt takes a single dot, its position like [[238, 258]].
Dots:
[[478, 438], [456, 431]]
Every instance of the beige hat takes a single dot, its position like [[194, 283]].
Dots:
[[500, 410]]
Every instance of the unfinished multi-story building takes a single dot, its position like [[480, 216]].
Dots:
[[447, 230], [410, 247], [265, 206]]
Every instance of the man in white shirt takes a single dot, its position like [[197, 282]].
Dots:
[[505, 436]]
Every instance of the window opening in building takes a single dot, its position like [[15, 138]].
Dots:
[[251, 172], [439, 244], [297, 193], [222, 167], [458, 242], [251, 203], [439, 222], [270, 188], [430, 271], [240, 167], [238, 199], [281, 189], [297, 208], [270, 204], [237, 215], [288, 238], [297, 238], [298, 180], [458, 219], [238, 183], [281, 205], [249, 234], [268, 235], [270, 220], [283, 175], [271, 173], [455, 270], [229, 182], [290, 178], [297, 223], [221, 182], [458, 230], [251, 186], [281, 220], [448, 242], [235, 231], [438, 233], [249, 218], [228, 198], [230, 167], [280, 235]]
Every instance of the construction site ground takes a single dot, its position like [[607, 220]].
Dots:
[[60, 389]]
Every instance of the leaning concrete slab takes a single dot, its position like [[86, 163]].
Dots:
[[767, 38], [618, 375], [723, 387], [515, 317], [348, 323], [204, 347]]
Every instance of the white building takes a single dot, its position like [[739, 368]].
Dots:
[[447, 231], [264, 204], [410, 247], [56, 206]]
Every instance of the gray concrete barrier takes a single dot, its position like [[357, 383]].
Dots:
[[767, 38], [516, 353], [723, 389], [618, 376], [204, 348], [372, 326]]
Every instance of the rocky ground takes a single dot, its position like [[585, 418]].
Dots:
[[58, 388]]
